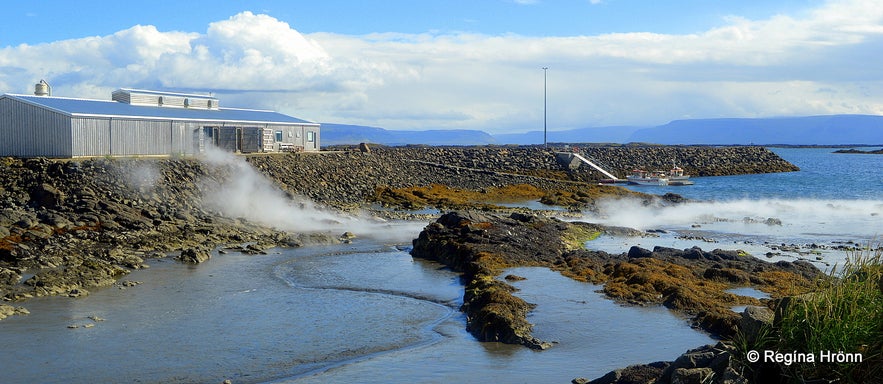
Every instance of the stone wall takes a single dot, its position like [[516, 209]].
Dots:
[[350, 175]]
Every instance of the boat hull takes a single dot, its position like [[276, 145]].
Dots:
[[647, 181]]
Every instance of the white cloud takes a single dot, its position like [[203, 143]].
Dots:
[[768, 67]]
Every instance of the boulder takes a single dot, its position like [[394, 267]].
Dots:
[[8, 276], [194, 256], [45, 195], [8, 310], [694, 358], [255, 249], [754, 321], [692, 376], [636, 252], [641, 373], [53, 219]]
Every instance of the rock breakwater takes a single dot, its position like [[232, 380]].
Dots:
[[620, 160], [348, 175]]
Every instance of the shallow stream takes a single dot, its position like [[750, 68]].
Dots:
[[363, 313]]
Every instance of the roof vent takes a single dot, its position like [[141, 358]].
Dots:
[[42, 89]]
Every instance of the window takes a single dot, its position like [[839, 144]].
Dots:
[[278, 136], [311, 136]]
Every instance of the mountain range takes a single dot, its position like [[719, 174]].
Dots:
[[807, 130]]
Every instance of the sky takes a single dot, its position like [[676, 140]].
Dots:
[[458, 64]]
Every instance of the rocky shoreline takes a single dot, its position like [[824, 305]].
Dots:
[[68, 226], [72, 225], [692, 282]]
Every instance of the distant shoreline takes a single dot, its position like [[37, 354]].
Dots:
[[821, 146], [856, 151]]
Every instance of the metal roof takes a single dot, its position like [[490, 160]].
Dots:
[[105, 108]]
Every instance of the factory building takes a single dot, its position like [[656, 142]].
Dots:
[[142, 123]]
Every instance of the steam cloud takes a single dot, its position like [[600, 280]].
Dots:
[[248, 194], [799, 217]]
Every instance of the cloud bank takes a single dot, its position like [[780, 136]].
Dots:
[[824, 61]]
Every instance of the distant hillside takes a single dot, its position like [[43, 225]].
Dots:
[[810, 130], [335, 134]]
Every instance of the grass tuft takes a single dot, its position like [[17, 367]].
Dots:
[[844, 315]]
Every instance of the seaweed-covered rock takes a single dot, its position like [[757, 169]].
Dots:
[[691, 281], [480, 245]]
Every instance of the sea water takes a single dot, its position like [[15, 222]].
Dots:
[[823, 175], [835, 202]]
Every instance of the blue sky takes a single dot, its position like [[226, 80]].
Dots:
[[458, 64], [71, 19]]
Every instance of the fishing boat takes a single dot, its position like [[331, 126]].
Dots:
[[642, 177], [677, 177]]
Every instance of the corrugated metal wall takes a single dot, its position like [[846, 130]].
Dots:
[[93, 136], [140, 137], [182, 139], [30, 131], [90, 136]]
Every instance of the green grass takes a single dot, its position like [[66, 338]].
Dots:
[[844, 315]]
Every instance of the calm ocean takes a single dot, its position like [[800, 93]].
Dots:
[[823, 175]]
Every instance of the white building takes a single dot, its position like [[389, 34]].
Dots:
[[142, 123]]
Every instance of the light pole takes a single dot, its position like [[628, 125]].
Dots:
[[544, 105]]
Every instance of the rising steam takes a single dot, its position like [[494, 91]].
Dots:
[[248, 194], [798, 217]]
